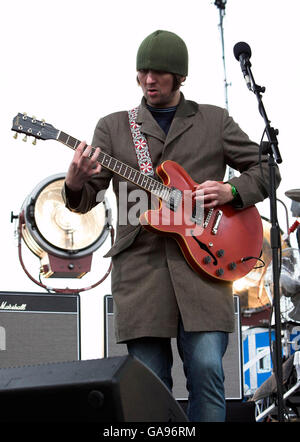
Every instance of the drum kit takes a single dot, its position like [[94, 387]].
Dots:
[[255, 289], [255, 292]]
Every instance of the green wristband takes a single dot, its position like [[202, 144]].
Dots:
[[233, 190]]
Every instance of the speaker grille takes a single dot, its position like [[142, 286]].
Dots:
[[232, 361], [38, 328]]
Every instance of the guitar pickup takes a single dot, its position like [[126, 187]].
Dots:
[[197, 213], [217, 222], [174, 199]]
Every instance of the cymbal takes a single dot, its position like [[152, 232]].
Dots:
[[294, 194]]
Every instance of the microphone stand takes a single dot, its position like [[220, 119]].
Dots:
[[271, 148]]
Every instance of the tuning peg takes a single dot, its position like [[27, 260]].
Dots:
[[16, 135], [34, 141], [25, 138]]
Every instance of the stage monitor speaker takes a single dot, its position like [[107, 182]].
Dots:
[[119, 389], [38, 328], [232, 361]]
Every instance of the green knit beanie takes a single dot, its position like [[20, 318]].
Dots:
[[163, 51]]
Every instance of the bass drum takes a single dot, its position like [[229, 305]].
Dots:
[[252, 289]]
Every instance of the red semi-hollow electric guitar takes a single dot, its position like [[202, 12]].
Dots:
[[223, 242]]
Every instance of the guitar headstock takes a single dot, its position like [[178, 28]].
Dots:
[[41, 130]]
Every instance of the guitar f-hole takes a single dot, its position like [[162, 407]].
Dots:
[[204, 247]]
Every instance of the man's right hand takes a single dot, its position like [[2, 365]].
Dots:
[[82, 167]]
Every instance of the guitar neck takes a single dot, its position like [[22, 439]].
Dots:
[[118, 167]]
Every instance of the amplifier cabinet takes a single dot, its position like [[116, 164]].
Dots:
[[38, 328], [232, 361]]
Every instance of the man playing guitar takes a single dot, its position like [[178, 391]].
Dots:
[[157, 292]]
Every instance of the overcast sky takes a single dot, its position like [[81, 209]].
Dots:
[[72, 62]]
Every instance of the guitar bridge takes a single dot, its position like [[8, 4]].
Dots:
[[217, 222], [174, 199], [208, 217]]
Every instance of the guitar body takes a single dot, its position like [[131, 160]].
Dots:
[[224, 245]]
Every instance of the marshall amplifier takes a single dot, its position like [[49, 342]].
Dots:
[[232, 361], [38, 328]]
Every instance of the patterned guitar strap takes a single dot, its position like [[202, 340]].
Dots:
[[140, 144]]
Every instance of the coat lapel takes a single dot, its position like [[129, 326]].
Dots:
[[182, 121], [148, 124]]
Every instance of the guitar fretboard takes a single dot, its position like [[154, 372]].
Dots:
[[116, 166]]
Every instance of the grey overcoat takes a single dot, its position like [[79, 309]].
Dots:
[[151, 282]]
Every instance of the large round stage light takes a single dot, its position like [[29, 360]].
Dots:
[[63, 240]]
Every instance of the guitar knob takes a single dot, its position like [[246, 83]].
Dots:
[[207, 259], [232, 266], [220, 272], [220, 253]]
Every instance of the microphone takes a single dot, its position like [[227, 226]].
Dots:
[[242, 53]]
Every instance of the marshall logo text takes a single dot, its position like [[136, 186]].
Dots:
[[6, 306]]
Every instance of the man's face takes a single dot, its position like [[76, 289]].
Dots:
[[157, 88]]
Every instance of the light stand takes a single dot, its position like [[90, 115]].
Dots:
[[270, 148], [63, 241], [221, 5]]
